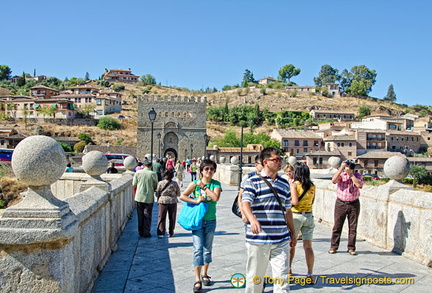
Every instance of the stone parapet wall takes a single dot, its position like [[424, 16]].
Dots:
[[61, 235]]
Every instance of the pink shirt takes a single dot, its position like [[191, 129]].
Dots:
[[346, 190]]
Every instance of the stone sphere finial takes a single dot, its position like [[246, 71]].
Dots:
[[292, 160], [95, 163], [396, 167], [234, 160], [222, 160], [335, 162], [130, 163], [212, 157], [38, 161]]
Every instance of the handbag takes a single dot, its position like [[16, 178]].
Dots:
[[191, 216], [235, 207]]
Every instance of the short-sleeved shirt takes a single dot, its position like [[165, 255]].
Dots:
[[266, 209], [146, 182], [305, 205], [346, 190], [157, 167], [212, 185]]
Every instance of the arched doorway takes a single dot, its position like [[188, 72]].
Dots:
[[171, 152]]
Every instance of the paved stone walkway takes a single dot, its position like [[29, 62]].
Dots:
[[165, 265]]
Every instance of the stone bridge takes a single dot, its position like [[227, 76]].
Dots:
[[60, 237]]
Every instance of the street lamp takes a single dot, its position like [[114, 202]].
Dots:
[[206, 139], [159, 137], [191, 146], [152, 116], [241, 158]]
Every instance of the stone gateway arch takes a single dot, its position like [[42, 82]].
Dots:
[[180, 121]]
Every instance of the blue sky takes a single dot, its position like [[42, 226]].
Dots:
[[199, 44]]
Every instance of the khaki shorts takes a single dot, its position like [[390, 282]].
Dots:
[[304, 223]]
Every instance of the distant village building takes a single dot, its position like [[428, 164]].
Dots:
[[301, 89], [121, 75], [403, 141], [373, 162], [248, 153], [267, 80], [345, 144], [332, 89], [335, 115], [43, 92], [297, 142], [384, 123]]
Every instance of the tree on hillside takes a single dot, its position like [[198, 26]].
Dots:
[[287, 72], [391, 95], [87, 76], [247, 78], [327, 74], [21, 80], [364, 111], [358, 81], [5, 72], [148, 79]]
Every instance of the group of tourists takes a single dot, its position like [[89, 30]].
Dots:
[[276, 210]]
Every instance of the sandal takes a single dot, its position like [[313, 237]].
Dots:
[[206, 280], [197, 289]]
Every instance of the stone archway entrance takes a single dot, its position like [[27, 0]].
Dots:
[[171, 152], [171, 144]]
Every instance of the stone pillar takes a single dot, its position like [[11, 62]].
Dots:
[[36, 235]]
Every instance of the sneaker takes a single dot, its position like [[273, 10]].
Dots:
[[160, 236]]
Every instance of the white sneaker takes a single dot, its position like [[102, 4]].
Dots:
[[160, 236]]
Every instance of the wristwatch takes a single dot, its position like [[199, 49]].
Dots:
[[204, 188]]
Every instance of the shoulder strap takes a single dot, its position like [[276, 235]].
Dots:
[[166, 185], [275, 194]]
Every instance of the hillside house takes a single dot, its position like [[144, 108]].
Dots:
[[43, 92], [297, 142], [335, 115], [121, 75], [267, 80]]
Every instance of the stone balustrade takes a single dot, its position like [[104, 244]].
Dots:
[[60, 236]]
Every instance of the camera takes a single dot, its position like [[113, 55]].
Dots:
[[349, 162]]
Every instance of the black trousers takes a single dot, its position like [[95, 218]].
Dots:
[[342, 210], [171, 210], [144, 211]]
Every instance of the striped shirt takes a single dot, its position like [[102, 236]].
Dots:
[[266, 209], [346, 190]]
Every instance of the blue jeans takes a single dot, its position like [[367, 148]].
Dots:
[[193, 176], [203, 243]]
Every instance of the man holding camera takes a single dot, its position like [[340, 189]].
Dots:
[[347, 205]]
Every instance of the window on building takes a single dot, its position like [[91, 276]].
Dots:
[[297, 142], [305, 143], [350, 144], [343, 144], [314, 161], [349, 153], [297, 151], [320, 160], [365, 163], [285, 142], [376, 163], [304, 150], [338, 144]]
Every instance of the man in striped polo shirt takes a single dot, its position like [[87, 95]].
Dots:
[[268, 238]]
